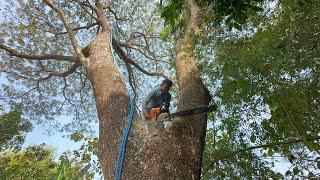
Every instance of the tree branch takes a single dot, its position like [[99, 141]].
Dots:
[[115, 15], [144, 37], [127, 59], [50, 74], [278, 143], [87, 5], [148, 53], [110, 3], [151, 56], [15, 53], [68, 28], [131, 80], [84, 5], [79, 28], [71, 70], [289, 141], [101, 17]]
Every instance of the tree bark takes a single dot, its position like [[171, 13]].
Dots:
[[176, 154], [112, 102]]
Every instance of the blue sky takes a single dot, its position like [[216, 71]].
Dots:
[[57, 140]]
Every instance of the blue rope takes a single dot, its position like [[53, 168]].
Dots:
[[122, 149]]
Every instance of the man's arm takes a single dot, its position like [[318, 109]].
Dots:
[[167, 104], [148, 98]]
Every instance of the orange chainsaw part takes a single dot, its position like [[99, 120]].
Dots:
[[154, 112]]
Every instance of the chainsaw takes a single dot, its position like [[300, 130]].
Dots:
[[188, 112]]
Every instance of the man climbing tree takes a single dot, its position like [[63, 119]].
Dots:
[[158, 100]]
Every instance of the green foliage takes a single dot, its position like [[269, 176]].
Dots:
[[33, 163], [172, 12], [235, 13], [13, 129], [81, 173], [88, 151], [76, 136], [37, 162], [267, 85], [65, 171]]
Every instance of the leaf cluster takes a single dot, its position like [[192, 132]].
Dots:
[[234, 12], [13, 129]]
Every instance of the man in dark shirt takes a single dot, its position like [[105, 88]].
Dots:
[[158, 100]]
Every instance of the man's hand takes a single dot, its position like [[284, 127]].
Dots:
[[162, 109]]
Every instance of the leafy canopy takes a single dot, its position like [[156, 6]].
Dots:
[[267, 85], [235, 13]]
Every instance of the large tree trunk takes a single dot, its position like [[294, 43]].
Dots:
[[177, 153], [112, 102]]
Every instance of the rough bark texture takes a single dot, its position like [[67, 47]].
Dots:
[[177, 153], [112, 102]]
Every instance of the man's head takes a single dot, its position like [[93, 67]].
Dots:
[[166, 85]]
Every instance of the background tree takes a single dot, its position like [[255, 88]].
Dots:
[[38, 162], [267, 85], [13, 129]]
